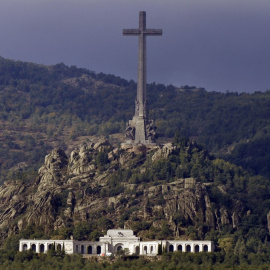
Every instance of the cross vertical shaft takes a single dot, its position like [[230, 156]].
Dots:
[[141, 87], [140, 120]]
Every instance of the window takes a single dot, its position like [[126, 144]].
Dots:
[[145, 250], [205, 248], [41, 248], [34, 248]]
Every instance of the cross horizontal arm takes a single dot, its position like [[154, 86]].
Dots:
[[131, 32], [153, 32], [148, 32]]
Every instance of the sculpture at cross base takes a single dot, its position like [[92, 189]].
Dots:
[[140, 129]]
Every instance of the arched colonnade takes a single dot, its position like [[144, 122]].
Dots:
[[193, 247]]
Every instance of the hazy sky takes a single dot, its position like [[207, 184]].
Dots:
[[216, 44]]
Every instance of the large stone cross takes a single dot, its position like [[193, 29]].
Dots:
[[141, 106], [142, 32]]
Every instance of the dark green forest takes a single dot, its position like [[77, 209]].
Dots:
[[46, 106], [168, 261]]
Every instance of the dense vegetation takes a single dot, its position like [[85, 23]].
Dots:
[[45, 106], [10, 260], [235, 252]]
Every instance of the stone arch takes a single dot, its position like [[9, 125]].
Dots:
[[197, 248], [151, 249], [59, 247], [89, 250], [98, 249], [188, 248], [137, 250], [171, 248], [41, 248], [145, 250], [180, 248], [25, 247], [50, 246], [118, 247], [77, 248], [82, 249], [34, 247], [205, 248]]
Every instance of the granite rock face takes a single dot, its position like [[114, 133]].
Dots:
[[51, 173], [163, 152], [78, 187]]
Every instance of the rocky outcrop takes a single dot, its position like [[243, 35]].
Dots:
[[80, 162], [53, 170], [163, 152], [82, 186]]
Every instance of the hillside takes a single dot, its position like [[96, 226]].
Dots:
[[178, 191], [136, 188], [188, 189], [42, 107]]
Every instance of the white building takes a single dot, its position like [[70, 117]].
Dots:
[[114, 241]]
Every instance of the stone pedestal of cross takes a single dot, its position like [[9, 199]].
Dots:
[[140, 129]]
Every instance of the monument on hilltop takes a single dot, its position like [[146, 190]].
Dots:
[[140, 129]]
